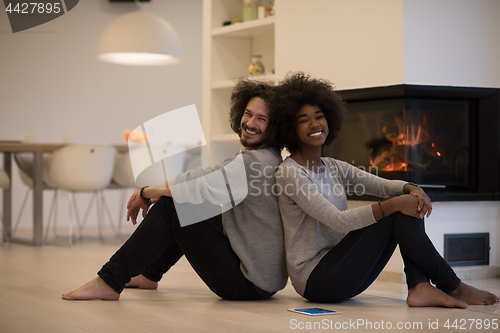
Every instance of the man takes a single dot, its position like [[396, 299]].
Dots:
[[246, 259]]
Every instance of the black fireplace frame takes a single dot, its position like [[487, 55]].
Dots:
[[485, 133]]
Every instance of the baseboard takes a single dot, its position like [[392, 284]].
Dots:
[[464, 273], [477, 272], [390, 276]]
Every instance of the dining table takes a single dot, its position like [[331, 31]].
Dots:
[[38, 149]]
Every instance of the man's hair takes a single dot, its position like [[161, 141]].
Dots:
[[298, 89], [242, 93]]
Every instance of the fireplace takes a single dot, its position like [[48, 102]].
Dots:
[[446, 139]]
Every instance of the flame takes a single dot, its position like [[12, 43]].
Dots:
[[402, 137]]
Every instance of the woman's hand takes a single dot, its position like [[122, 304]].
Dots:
[[408, 205], [424, 202], [134, 205]]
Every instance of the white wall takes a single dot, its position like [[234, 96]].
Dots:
[[452, 42], [456, 217], [51, 83], [455, 42], [359, 43], [465, 217], [354, 44]]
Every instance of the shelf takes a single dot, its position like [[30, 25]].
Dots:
[[226, 137], [229, 84], [227, 53], [248, 29]]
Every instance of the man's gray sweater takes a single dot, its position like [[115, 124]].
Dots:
[[253, 225]]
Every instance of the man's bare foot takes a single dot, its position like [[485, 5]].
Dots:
[[473, 296], [94, 289], [141, 281], [423, 294]]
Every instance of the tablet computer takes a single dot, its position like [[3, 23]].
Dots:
[[315, 311]]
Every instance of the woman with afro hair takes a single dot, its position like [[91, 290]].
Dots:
[[334, 253]]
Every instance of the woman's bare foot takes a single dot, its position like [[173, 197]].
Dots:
[[141, 281], [473, 296], [94, 289], [423, 294]]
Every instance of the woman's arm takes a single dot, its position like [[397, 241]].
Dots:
[[300, 195], [356, 180], [407, 204], [382, 187], [424, 202]]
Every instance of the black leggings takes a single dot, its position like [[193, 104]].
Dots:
[[351, 266], [159, 242]]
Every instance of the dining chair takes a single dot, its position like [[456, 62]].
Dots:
[[79, 168], [4, 185]]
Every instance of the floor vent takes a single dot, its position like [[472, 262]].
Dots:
[[467, 249]]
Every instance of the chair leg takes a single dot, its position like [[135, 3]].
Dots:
[[4, 231], [21, 211], [70, 225], [74, 209], [77, 218], [106, 210], [100, 227], [55, 217], [87, 211], [120, 213], [52, 212]]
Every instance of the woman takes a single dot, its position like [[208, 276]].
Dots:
[[333, 253]]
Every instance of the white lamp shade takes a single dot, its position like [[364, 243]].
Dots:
[[139, 39]]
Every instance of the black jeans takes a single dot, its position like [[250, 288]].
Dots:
[[352, 265], [159, 241]]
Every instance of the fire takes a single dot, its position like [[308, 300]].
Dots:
[[399, 138]]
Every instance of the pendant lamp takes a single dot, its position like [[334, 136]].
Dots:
[[139, 39]]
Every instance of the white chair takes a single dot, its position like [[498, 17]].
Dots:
[[80, 168], [4, 185], [122, 172]]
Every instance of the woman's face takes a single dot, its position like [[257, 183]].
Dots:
[[311, 126]]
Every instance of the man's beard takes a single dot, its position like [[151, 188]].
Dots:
[[252, 145], [255, 144]]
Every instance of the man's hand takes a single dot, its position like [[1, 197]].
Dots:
[[134, 205], [424, 202]]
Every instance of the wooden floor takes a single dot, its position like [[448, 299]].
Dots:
[[33, 279]]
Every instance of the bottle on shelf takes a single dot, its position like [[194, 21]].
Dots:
[[250, 10]]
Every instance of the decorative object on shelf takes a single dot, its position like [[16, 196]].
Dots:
[[250, 10], [256, 67], [266, 8], [139, 39], [265, 12]]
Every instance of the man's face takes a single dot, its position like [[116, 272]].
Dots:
[[254, 124]]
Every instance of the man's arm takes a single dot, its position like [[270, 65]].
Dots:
[[196, 185], [159, 190], [136, 203]]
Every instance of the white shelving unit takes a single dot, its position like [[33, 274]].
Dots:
[[226, 57]]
